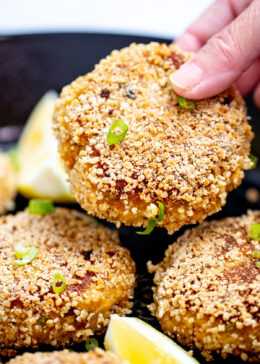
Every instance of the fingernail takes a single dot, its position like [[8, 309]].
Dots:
[[187, 77]]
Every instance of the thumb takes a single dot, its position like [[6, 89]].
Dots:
[[223, 59]]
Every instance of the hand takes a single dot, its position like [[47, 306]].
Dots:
[[227, 41]]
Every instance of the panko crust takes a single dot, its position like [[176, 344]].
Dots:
[[186, 158], [207, 290], [99, 273], [7, 184], [96, 356]]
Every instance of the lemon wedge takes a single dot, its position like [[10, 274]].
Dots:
[[41, 174], [137, 342]]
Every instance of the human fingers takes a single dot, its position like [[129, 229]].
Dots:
[[257, 95], [215, 18], [223, 59], [249, 78]]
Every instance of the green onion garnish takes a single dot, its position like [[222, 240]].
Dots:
[[42, 320], [117, 138], [91, 344], [186, 104], [14, 158], [40, 207], [229, 327], [149, 228], [256, 254], [152, 222], [20, 249], [257, 264], [57, 277], [25, 255], [161, 211], [253, 159], [254, 232]]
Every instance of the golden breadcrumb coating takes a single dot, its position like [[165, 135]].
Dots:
[[186, 158], [7, 184], [99, 273], [97, 356], [207, 290]]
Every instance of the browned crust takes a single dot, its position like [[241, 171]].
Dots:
[[187, 159], [207, 290], [97, 356], [99, 273]]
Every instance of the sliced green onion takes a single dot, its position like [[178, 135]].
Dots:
[[42, 320], [254, 232], [20, 249], [14, 158], [186, 104], [57, 277], [28, 256], [149, 228], [111, 137], [111, 197], [256, 254], [161, 211], [229, 327], [91, 344], [253, 159], [152, 222], [40, 207]]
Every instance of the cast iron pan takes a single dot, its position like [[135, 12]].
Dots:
[[32, 64]]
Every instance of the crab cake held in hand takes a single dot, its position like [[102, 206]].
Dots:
[[79, 259], [186, 155], [97, 356], [7, 184], [207, 290]]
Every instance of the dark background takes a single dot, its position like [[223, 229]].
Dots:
[[30, 65]]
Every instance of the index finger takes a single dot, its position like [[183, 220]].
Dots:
[[215, 18]]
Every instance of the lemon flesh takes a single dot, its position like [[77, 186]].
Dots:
[[41, 172], [139, 343]]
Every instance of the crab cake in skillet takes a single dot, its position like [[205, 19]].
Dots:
[[187, 155], [207, 290], [78, 276], [97, 356], [7, 184]]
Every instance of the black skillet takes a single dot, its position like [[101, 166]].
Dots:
[[32, 64]]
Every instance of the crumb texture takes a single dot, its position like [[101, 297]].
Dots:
[[97, 356], [186, 158], [99, 274], [7, 184], [207, 290]]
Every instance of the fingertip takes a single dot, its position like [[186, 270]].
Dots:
[[185, 80]]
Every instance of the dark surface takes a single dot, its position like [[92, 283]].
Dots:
[[32, 64]]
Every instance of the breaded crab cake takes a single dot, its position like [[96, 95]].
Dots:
[[186, 158], [97, 356], [207, 290], [7, 184], [98, 275]]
